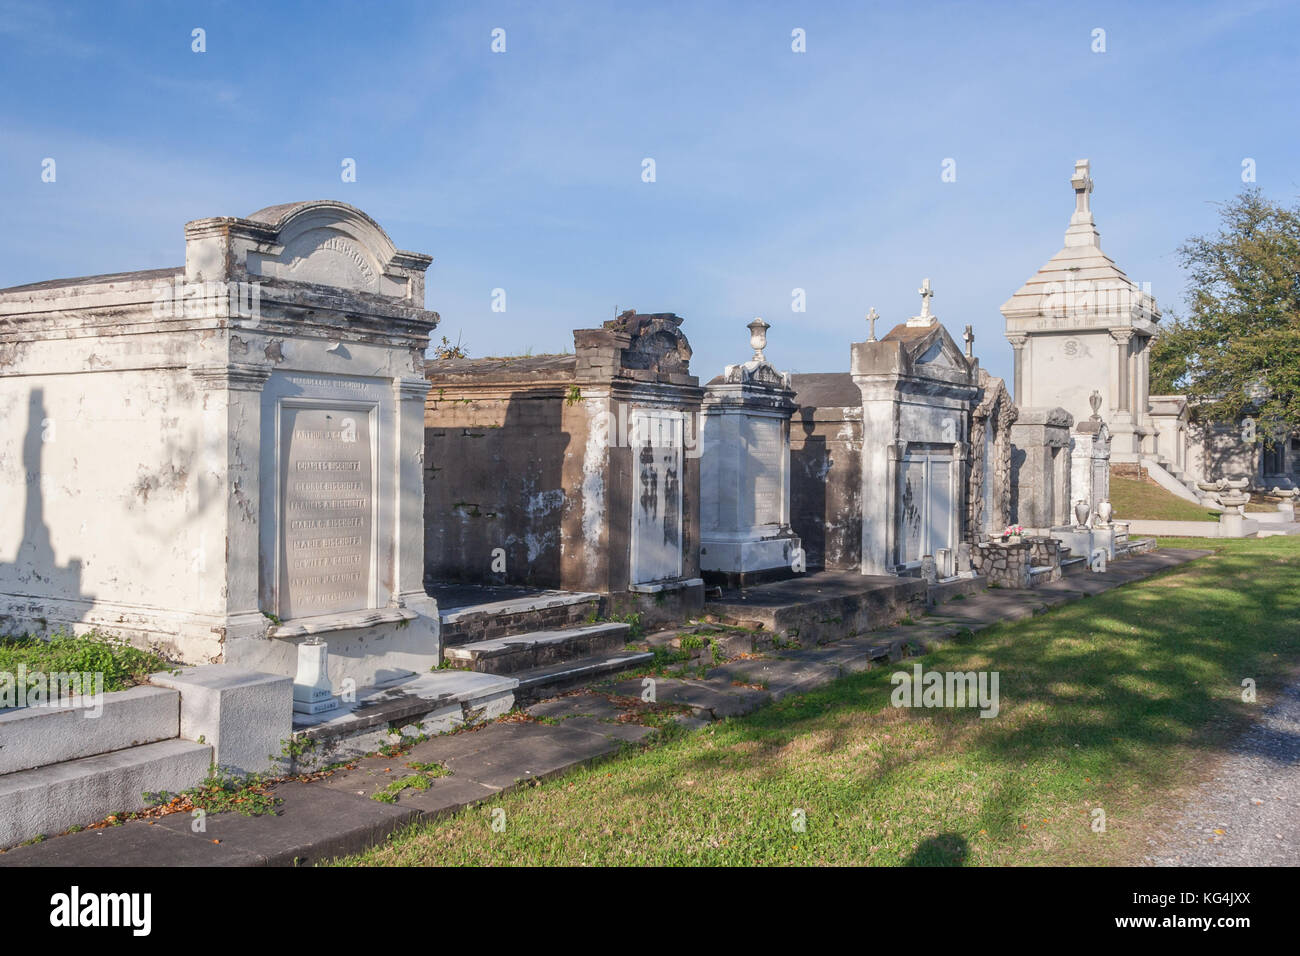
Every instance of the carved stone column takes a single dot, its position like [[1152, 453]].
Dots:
[[1018, 345]]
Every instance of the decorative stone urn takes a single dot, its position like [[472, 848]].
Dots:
[[1104, 511], [1235, 499], [1081, 512]]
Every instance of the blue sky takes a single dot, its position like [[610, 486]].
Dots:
[[774, 170]]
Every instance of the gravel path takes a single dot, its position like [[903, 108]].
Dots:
[[1248, 814]]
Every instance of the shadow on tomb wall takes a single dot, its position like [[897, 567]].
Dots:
[[35, 576], [1018, 456], [497, 486], [809, 466]]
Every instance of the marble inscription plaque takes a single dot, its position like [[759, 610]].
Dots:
[[327, 487], [764, 463]]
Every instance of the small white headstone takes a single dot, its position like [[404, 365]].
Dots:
[[312, 693]]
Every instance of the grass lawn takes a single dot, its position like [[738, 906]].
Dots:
[[1112, 702], [1147, 501]]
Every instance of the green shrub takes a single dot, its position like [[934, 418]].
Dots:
[[121, 664]]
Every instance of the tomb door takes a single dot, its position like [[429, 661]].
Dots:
[[925, 506], [656, 446]]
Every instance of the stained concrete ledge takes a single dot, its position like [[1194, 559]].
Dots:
[[822, 607]]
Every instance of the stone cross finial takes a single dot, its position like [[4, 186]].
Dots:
[[1082, 184], [926, 294], [758, 338], [969, 338], [871, 317]]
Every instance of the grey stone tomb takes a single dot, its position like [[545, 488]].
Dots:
[[1040, 465], [1090, 462], [745, 472], [918, 390]]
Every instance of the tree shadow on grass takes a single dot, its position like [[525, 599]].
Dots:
[[1101, 689], [945, 849]]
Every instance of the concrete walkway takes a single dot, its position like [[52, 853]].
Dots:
[[1248, 813], [337, 814]]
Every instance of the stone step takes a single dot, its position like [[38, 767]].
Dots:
[[427, 704], [507, 655], [1074, 565], [1135, 546], [50, 799], [544, 610], [33, 737], [1040, 574], [538, 683]]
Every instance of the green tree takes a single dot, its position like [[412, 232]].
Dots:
[[1237, 350]]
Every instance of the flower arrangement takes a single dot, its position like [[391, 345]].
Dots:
[[1013, 532]]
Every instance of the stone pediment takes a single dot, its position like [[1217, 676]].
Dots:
[[330, 243], [756, 373], [930, 346]]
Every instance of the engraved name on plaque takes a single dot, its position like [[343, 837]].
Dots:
[[326, 487], [765, 467]]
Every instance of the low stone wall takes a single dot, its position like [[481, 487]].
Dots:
[[1006, 565], [484, 622], [1046, 552]]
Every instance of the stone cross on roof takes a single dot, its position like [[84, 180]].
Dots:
[[1082, 184], [1083, 228], [871, 317], [926, 317]]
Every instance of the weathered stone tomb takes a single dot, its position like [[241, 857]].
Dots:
[[577, 472], [918, 391], [1090, 463], [882, 455], [224, 459], [745, 473], [1040, 468]]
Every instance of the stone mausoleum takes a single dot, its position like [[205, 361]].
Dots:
[[1082, 328], [224, 459], [918, 392], [576, 472], [745, 473], [1080, 321], [885, 457]]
